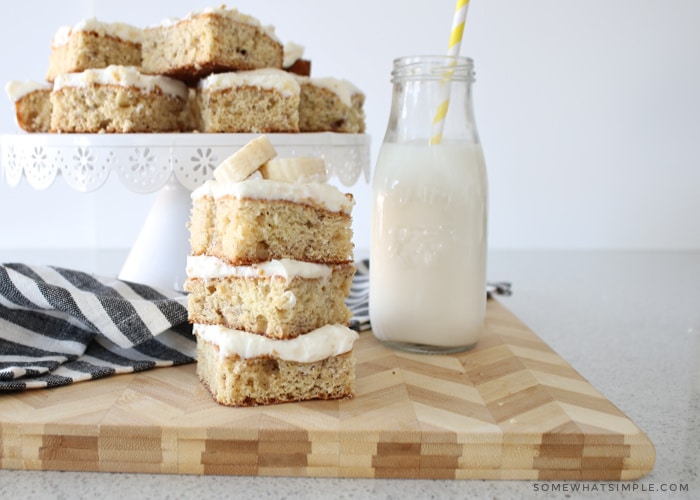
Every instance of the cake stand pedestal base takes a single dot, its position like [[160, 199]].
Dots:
[[159, 255]]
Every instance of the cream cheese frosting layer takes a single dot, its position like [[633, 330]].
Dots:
[[125, 76], [292, 53], [208, 267], [318, 194], [16, 89], [232, 14], [319, 344], [122, 31], [267, 78]]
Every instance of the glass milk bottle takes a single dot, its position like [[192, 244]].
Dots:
[[429, 212]]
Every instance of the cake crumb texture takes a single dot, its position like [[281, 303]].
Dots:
[[114, 109], [33, 111], [248, 109]]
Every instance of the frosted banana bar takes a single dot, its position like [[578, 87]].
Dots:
[[261, 101], [93, 44], [117, 99], [330, 104], [32, 101], [263, 380], [260, 220], [278, 299], [212, 40]]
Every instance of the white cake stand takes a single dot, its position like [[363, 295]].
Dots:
[[172, 165]]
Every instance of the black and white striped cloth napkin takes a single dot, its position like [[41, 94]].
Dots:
[[59, 326], [358, 300]]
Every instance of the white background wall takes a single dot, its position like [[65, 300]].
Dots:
[[588, 110]]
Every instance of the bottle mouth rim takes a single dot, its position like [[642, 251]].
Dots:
[[433, 67]]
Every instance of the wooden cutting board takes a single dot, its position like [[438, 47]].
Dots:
[[509, 409]]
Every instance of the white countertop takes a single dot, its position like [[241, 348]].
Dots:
[[629, 322]]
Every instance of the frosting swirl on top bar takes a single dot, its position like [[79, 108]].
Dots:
[[325, 196], [319, 344], [266, 78], [125, 76], [122, 31]]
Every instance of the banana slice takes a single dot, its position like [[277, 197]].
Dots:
[[297, 169], [241, 164]]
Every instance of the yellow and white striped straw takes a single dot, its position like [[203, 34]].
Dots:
[[458, 21], [460, 17]]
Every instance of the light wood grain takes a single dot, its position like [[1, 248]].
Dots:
[[511, 408]]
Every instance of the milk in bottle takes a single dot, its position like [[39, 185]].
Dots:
[[429, 218]]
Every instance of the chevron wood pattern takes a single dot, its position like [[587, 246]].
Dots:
[[509, 409]]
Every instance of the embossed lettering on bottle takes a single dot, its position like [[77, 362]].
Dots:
[[415, 242]]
